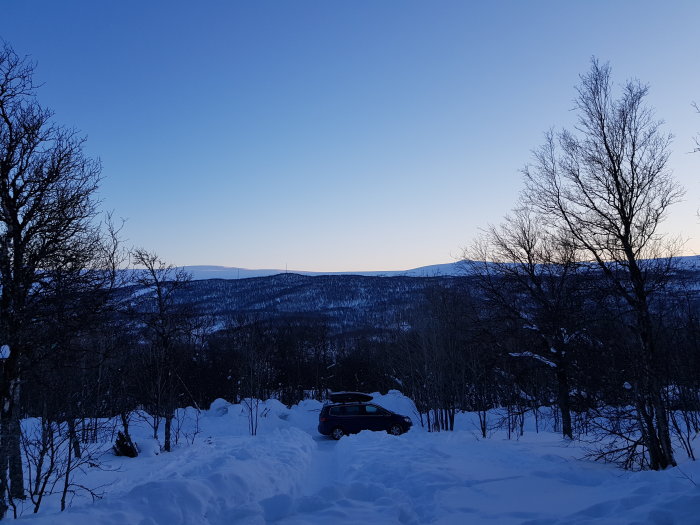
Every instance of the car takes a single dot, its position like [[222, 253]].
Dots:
[[351, 412]]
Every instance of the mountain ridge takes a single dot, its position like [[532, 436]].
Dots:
[[455, 269], [205, 272]]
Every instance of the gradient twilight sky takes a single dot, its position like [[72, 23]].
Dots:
[[336, 136]]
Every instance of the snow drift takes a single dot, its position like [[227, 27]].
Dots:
[[290, 475]]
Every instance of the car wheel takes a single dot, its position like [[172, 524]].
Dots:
[[395, 430], [337, 433]]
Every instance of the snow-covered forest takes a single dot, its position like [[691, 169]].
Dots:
[[556, 380]]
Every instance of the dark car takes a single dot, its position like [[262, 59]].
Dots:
[[350, 412]]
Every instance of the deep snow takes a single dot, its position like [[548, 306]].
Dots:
[[290, 475]]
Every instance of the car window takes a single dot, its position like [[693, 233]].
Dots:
[[374, 410], [353, 410]]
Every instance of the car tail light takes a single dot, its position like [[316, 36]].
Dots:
[[323, 419]]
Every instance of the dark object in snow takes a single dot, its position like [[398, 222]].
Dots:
[[124, 446], [346, 417], [349, 397]]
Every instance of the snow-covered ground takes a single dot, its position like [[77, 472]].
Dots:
[[290, 475]]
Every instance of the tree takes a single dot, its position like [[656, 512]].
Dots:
[[47, 206], [434, 365], [166, 322], [532, 276], [607, 185]]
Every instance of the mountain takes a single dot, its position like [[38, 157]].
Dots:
[[200, 273], [342, 302], [352, 302], [455, 269]]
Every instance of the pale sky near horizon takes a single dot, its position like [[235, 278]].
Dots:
[[340, 136]]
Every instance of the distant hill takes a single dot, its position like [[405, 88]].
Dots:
[[344, 302], [455, 269], [200, 273]]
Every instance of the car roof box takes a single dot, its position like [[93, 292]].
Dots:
[[349, 397]]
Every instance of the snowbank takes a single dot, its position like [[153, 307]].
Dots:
[[290, 475], [218, 481]]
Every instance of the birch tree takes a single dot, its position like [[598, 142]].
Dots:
[[47, 207], [165, 325], [533, 277], [607, 184]]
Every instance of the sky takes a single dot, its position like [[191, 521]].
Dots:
[[340, 136]]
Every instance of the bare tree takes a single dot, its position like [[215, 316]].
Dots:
[[166, 323], [533, 277], [607, 184], [47, 204], [52, 465], [436, 365]]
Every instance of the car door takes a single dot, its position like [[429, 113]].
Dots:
[[353, 419], [376, 417]]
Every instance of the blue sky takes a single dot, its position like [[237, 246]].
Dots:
[[333, 136]]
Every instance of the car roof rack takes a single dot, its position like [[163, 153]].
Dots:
[[349, 397]]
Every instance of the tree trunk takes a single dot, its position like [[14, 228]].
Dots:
[[655, 416], [73, 437], [564, 404], [168, 425], [483, 414], [10, 448], [15, 460], [125, 424], [155, 425], [66, 478], [8, 380], [3, 465]]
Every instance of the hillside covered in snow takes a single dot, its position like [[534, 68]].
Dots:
[[344, 302]]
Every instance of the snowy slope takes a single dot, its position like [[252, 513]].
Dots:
[[291, 476]]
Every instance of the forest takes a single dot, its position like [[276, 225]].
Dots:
[[575, 302]]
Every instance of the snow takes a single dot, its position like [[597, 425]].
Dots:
[[536, 357], [290, 475]]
